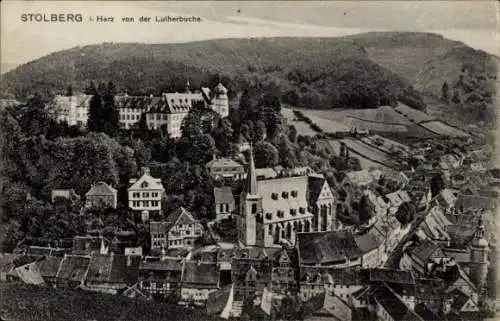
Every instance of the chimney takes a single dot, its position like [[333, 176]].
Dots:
[[214, 157]]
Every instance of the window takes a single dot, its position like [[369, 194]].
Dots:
[[188, 232], [269, 216], [293, 211], [281, 214], [145, 203], [295, 193], [274, 196], [284, 194], [128, 117], [221, 208], [302, 210], [136, 195], [227, 207], [145, 194], [154, 203], [254, 208], [154, 194]]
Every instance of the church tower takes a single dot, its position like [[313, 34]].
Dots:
[[188, 86], [249, 220], [479, 258], [220, 103]]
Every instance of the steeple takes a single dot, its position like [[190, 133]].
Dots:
[[188, 86], [251, 183]]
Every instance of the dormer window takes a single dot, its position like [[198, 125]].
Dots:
[[274, 196], [284, 194], [144, 184], [295, 193], [281, 214]]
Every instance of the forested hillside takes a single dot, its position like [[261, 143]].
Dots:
[[307, 72]]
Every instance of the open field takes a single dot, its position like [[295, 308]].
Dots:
[[443, 129], [412, 114], [356, 152], [385, 144], [303, 128], [384, 114]]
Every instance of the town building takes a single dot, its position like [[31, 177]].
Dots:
[[198, 281], [179, 231], [161, 277], [224, 202], [68, 194], [146, 192], [274, 210], [220, 168], [101, 195], [71, 109]]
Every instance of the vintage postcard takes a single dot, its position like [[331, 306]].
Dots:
[[330, 160]]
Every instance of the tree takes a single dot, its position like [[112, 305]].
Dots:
[[286, 152], [406, 213], [292, 133], [223, 136], [34, 118], [437, 185], [456, 97], [366, 209], [260, 131], [110, 113], [265, 155], [95, 119], [445, 91]]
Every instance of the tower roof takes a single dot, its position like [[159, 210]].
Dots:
[[479, 239], [251, 183]]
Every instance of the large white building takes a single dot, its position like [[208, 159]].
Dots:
[[274, 210], [168, 110], [146, 192]]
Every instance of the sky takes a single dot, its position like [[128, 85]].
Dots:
[[472, 22]]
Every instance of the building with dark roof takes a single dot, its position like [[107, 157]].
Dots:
[[161, 277], [72, 271], [101, 194], [224, 202], [198, 280]]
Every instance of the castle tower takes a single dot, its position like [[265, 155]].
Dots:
[[250, 209], [479, 257], [220, 102]]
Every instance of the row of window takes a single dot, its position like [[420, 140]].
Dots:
[[281, 214], [145, 203], [144, 194], [130, 117], [224, 208], [227, 169], [285, 195]]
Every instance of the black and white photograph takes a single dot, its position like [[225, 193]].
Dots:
[[249, 160]]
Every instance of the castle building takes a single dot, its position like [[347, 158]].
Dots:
[[274, 210], [168, 110]]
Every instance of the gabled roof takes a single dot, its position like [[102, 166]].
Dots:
[[181, 214], [147, 182], [101, 189], [381, 275], [314, 187], [330, 305], [162, 265], [28, 273], [224, 162], [49, 266], [367, 242], [223, 195]]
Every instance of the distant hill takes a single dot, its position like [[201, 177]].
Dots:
[[427, 61], [360, 71], [309, 72]]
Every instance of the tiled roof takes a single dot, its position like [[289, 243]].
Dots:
[[224, 162], [223, 195], [147, 182], [181, 212], [327, 247], [159, 227], [265, 173], [425, 313], [49, 266], [162, 265], [124, 269], [330, 305], [314, 187], [73, 267], [200, 275], [367, 242], [393, 305], [475, 202], [426, 250], [100, 189], [381, 275]]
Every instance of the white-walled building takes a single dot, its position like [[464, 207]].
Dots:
[[146, 192]]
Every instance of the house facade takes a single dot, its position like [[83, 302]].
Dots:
[[220, 168], [101, 195], [146, 192], [224, 202]]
